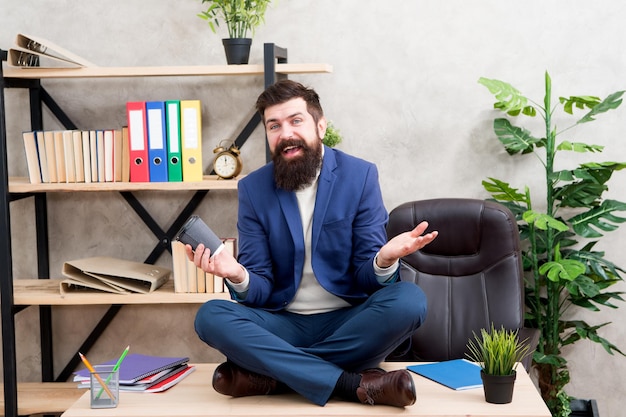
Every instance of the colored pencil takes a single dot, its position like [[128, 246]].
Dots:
[[116, 367], [92, 370]]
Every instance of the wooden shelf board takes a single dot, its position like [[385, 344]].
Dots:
[[159, 71], [44, 397], [47, 292], [210, 182]]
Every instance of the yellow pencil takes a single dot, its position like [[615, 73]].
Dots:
[[92, 370]]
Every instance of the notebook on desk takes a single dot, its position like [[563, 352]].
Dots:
[[137, 366], [458, 374]]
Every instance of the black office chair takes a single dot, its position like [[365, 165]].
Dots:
[[471, 273]]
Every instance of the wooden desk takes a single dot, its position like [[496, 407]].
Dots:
[[195, 397]]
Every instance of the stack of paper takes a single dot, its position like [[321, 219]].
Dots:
[[145, 373]]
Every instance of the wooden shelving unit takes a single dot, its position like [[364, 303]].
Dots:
[[37, 292], [21, 185], [125, 72], [44, 292]]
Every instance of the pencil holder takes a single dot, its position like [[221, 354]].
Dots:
[[104, 387]]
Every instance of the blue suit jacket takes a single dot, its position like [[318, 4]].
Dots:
[[348, 229]]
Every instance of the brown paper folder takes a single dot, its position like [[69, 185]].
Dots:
[[112, 275]]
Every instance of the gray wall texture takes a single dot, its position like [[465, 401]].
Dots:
[[403, 92]]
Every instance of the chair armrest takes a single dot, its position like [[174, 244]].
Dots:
[[531, 338]]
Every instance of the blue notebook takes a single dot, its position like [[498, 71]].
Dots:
[[457, 374], [137, 366]]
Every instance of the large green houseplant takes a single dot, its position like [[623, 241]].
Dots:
[[241, 18], [559, 232]]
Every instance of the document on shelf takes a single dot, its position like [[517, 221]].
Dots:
[[112, 275], [36, 52], [138, 141], [191, 139], [157, 152], [174, 156]]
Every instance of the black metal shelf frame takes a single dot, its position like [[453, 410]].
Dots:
[[38, 97]]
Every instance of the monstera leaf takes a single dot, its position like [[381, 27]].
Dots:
[[510, 100], [601, 217], [515, 139]]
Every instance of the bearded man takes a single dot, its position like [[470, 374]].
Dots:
[[318, 301]]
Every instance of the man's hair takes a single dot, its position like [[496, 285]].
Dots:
[[285, 90]]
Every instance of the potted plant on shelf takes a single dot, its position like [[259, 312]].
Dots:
[[497, 351], [241, 17], [564, 271]]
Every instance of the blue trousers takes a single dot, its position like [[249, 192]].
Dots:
[[308, 353]]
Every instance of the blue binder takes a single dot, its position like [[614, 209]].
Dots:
[[157, 152]]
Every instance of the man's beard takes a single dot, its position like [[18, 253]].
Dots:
[[295, 174]]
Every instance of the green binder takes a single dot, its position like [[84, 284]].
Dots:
[[174, 156]]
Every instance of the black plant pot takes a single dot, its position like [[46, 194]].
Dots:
[[498, 388], [584, 408], [237, 50]]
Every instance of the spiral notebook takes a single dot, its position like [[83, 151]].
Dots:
[[136, 367]]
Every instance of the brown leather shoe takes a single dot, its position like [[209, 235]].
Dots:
[[389, 388], [230, 379]]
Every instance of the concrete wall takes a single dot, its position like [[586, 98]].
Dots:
[[404, 93]]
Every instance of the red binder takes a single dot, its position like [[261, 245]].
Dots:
[[138, 140]]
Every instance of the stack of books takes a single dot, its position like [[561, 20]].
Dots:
[[77, 156], [162, 143], [144, 373], [190, 279]]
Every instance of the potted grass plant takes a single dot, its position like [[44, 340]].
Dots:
[[241, 18], [565, 273], [498, 352]]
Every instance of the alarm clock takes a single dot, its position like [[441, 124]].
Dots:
[[227, 163]]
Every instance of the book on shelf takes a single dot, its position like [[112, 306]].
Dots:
[[144, 373], [35, 51], [42, 155], [230, 246], [190, 279], [125, 155], [100, 154], [458, 374], [48, 137], [68, 156], [32, 157], [79, 161], [107, 274], [86, 147], [59, 155], [117, 155], [93, 155], [109, 165]]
